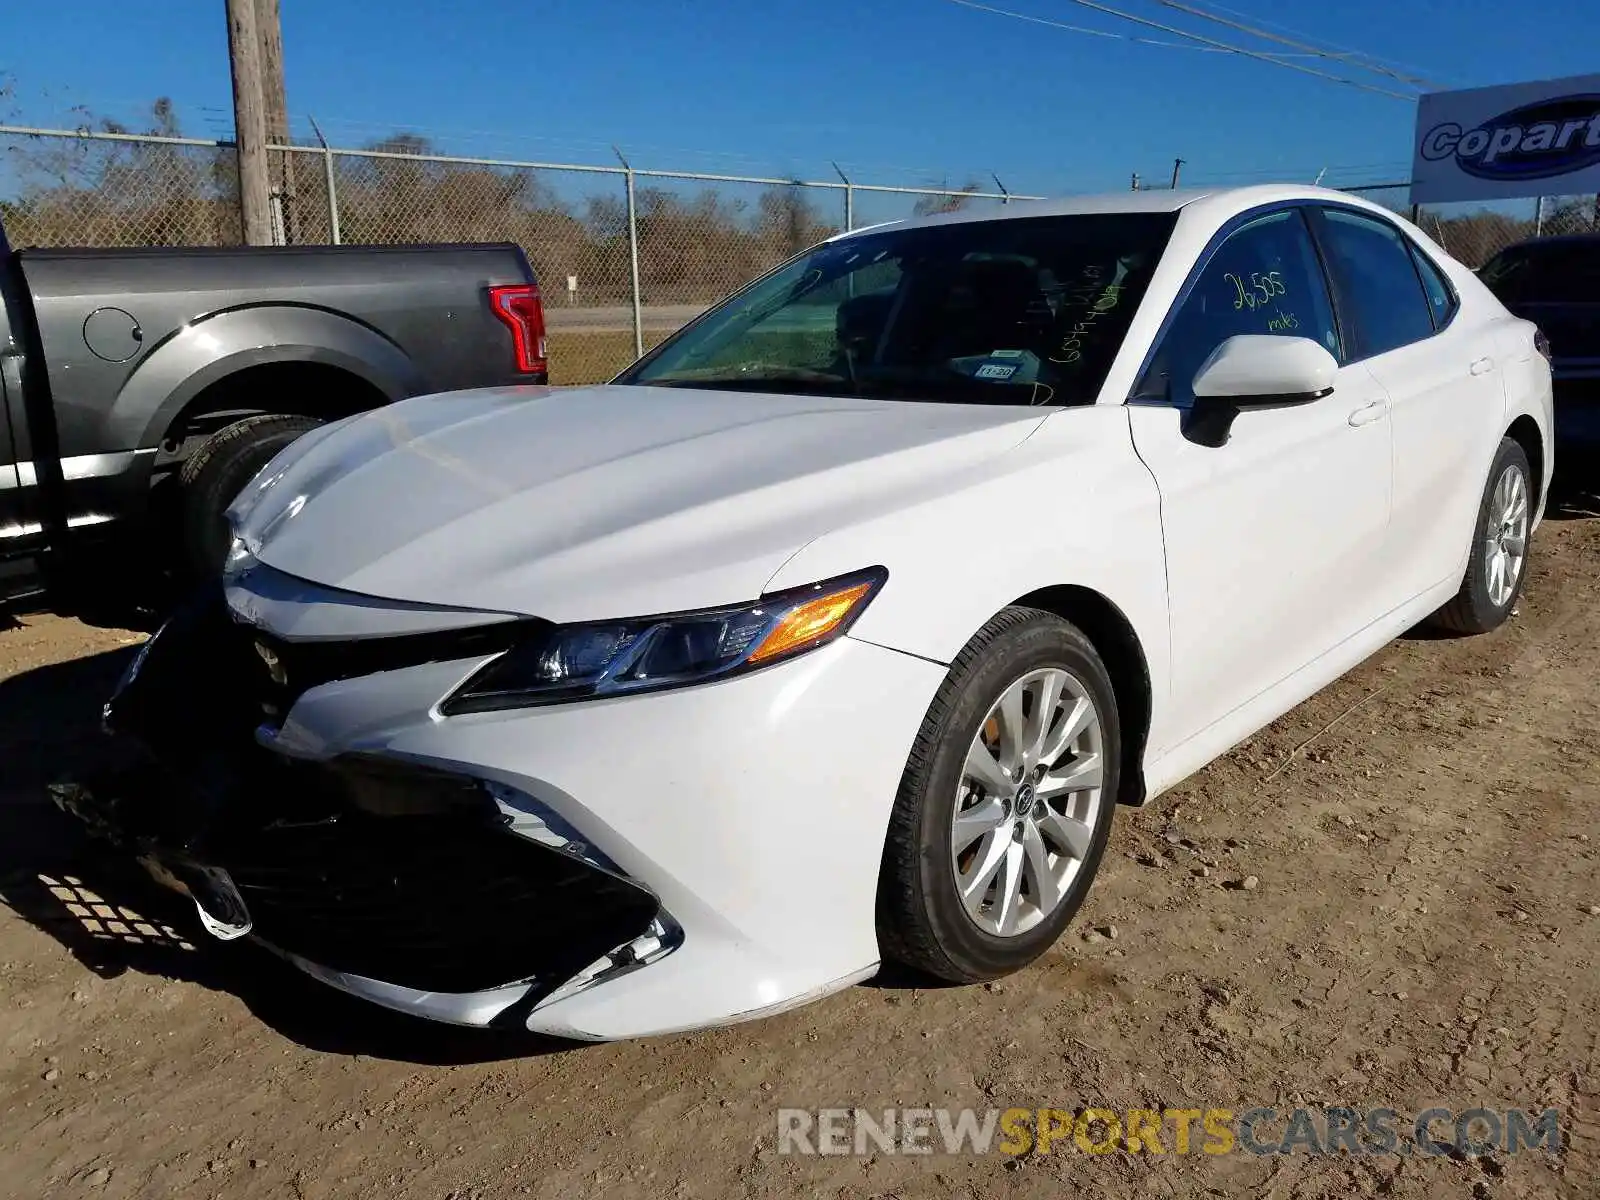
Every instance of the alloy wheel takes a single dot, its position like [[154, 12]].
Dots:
[[1506, 536], [1028, 802]]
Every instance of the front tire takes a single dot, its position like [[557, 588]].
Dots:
[[1499, 560], [1005, 805]]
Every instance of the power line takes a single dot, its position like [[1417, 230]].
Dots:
[[1269, 173], [1255, 54], [1351, 58], [1282, 28], [1099, 33], [1206, 44]]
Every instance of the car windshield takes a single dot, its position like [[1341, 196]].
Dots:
[[1023, 310]]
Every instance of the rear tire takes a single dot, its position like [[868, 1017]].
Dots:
[[217, 472], [1500, 542], [1050, 792]]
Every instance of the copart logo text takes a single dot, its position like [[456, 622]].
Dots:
[[1536, 141]]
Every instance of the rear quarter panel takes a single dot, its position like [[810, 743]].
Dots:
[[1524, 373], [1529, 391]]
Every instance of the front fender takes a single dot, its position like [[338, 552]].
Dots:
[[200, 354], [1073, 505]]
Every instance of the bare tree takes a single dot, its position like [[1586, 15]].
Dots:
[[946, 201], [115, 193]]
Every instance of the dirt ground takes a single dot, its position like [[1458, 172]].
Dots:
[[1425, 929]]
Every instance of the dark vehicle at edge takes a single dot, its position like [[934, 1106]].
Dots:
[[1555, 283], [140, 389]]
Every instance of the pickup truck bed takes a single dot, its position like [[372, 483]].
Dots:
[[119, 369]]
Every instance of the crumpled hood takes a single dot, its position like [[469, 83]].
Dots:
[[589, 503]]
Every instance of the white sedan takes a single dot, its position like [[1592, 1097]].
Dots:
[[835, 629]]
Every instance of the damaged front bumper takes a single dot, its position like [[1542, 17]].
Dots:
[[516, 867], [424, 890]]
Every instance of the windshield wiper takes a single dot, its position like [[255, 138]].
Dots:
[[756, 377], [793, 387]]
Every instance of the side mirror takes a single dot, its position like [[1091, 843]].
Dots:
[[1254, 370]]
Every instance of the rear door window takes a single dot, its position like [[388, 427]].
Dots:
[[1441, 296], [1381, 301]]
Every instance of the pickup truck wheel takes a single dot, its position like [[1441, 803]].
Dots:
[[1005, 805], [217, 472]]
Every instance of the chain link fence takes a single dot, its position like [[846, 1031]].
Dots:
[[1475, 233], [624, 256], [118, 190]]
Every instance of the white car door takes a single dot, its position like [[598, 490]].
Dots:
[[1441, 370], [1273, 539]]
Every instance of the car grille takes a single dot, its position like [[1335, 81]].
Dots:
[[439, 904], [226, 677], [383, 869]]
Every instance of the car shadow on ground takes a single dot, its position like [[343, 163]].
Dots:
[[896, 977], [106, 911]]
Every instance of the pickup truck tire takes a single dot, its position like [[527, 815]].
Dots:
[[217, 472]]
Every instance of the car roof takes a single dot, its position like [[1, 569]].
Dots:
[[1152, 200]]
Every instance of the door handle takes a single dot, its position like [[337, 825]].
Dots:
[[1368, 413], [1482, 366]]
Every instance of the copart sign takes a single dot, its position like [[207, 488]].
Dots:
[[1524, 139]]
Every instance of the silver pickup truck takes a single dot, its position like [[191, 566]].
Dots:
[[141, 389]]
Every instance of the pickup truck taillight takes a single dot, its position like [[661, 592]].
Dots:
[[519, 306]]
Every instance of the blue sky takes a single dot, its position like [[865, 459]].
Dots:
[[898, 90]]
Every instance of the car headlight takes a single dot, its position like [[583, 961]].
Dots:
[[607, 658]]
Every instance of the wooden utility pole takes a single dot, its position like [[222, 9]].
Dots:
[[249, 122], [280, 164]]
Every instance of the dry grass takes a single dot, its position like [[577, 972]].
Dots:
[[578, 356]]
